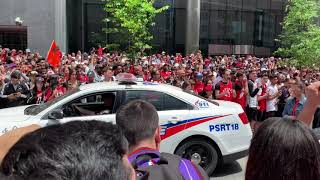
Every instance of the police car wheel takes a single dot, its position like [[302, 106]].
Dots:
[[200, 152]]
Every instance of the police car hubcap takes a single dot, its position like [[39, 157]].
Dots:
[[196, 158]]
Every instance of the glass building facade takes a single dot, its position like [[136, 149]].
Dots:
[[226, 26], [241, 26]]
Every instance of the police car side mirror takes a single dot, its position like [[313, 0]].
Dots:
[[56, 114]]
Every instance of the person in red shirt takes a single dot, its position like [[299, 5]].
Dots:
[[262, 98], [178, 58], [241, 87], [37, 92], [207, 61], [198, 86], [225, 89], [156, 77], [165, 73], [100, 51], [208, 89], [3, 56], [54, 90]]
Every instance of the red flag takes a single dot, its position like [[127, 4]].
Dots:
[[54, 55]]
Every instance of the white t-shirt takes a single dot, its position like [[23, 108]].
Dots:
[[272, 105]]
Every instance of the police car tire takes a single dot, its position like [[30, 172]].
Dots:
[[202, 142]]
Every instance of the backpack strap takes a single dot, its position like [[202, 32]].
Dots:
[[143, 158], [175, 161]]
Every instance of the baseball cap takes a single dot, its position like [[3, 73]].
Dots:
[[16, 74], [34, 73], [199, 75]]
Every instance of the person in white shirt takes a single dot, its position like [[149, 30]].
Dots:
[[273, 94]]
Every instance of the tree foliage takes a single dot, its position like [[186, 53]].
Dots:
[[130, 22], [300, 38]]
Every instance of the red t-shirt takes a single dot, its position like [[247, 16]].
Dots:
[[263, 103], [228, 88], [241, 97], [100, 52], [165, 75], [295, 107], [207, 62], [198, 87], [49, 93], [83, 79], [178, 59]]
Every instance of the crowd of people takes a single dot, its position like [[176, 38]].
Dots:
[[130, 149], [264, 87]]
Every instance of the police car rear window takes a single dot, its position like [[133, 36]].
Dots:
[[161, 101]]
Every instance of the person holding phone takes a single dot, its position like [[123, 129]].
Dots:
[[15, 93]]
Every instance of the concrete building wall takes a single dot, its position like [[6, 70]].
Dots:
[[45, 20]]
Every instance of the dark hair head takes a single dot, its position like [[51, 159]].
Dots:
[[223, 71], [239, 74], [273, 76], [139, 121], [283, 149], [77, 150], [300, 85], [185, 84]]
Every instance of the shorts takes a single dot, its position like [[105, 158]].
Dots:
[[261, 116], [271, 114], [252, 114]]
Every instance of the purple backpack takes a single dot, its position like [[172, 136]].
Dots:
[[164, 166]]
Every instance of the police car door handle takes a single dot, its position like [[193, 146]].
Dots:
[[174, 120]]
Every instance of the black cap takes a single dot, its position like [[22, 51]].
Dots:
[[16, 74]]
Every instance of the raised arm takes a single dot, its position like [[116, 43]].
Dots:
[[312, 103]]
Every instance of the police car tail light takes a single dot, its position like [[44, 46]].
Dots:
[[243, 118], [126, 78]]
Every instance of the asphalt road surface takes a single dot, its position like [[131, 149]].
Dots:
[[231, 171]]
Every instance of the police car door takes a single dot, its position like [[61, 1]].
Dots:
[[173, 112], [97, 106]]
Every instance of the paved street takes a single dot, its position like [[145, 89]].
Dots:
[[231, 171]]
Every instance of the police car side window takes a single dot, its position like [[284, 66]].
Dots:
[[161, 101], [90, 105]]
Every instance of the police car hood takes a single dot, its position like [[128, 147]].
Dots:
[[230, 106], [13, 114]]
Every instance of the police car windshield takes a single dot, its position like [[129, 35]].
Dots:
[[201, 97], [36, 109]]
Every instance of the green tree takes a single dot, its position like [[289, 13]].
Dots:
[[300, 38], [130, 23]]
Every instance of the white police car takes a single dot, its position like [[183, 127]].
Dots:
[[208, 133]]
